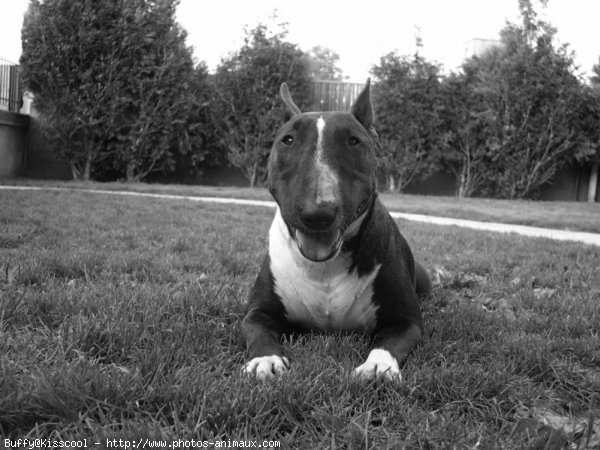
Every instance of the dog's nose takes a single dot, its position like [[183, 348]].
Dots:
[[318, 216]]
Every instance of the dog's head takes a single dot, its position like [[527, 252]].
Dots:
[[322, 173]]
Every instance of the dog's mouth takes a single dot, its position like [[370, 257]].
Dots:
[[318, 246], [323, 245]]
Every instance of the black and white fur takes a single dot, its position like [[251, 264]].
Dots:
[[336, 260]]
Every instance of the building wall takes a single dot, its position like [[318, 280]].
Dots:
[[569, 184], [440, 183], [13, 128]]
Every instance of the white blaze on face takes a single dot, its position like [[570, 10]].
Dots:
[[327, 181]]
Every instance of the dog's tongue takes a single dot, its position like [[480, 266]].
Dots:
[[318, 246]]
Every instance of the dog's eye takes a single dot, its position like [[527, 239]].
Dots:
[[287, 140], [353, 141]]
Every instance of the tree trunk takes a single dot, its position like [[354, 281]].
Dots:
[[463, 182], [593, 186], [254, 175], [75, 173], [391, 183], [130, 171], [87, 170], [399, 186], [461, 189]]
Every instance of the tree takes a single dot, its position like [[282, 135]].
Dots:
[[323, 64], [158, 106], [595, 78], [588, 151], [467, 124], [407, 93], [206, 152], [113, 82], [531, 100], [591, 153], [248, 108]]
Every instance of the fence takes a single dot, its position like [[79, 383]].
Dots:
[[334, 95], [11, 97], [327, 95]]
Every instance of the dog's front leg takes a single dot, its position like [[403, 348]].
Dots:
[[262, 337], [262, 328], [394, 343]]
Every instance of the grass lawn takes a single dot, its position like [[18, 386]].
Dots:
[[575, 216], [119, 319]]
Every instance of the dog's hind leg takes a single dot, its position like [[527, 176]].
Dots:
[[423, 284]]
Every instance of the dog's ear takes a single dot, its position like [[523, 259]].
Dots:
[[362, 109], [287, 99]]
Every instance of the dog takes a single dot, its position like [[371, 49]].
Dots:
[[336, 260]]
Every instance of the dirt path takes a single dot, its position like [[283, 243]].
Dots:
[[561, 235]]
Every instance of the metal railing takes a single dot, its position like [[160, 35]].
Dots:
[[11, 94]]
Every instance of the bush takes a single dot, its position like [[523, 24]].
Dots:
[[114, 84], [248, 109]]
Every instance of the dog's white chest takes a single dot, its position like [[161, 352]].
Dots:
[[319, 295]]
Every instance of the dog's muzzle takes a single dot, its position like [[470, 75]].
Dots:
[[318, 239], [324, 244]]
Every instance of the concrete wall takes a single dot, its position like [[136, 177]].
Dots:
[[13, 129], [569, 184], [440, 183], [40, 160]]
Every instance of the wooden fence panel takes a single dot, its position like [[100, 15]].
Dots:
[[334, 95]]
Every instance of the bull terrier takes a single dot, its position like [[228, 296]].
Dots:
[[336, 259]]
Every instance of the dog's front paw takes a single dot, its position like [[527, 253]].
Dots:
[[264, 367], [379, 363]]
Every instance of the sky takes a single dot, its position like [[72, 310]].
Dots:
[[360, 32]]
